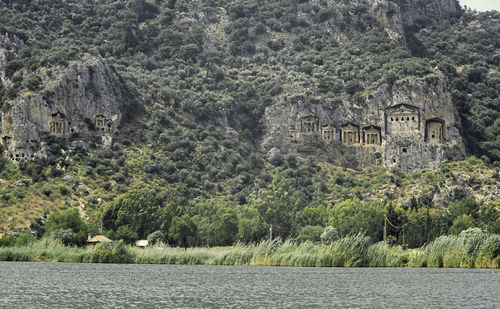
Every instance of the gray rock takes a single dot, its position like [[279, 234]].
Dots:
[[69, 178], [398, 14], [22, 183], [85, 97], [107, 140], [412, 126]]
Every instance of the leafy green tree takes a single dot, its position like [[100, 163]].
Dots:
[[224, 227], [311, 233], [67, 223], [125, 233], [276, 204], [352, 216], [183, 231], [489, 216], [462, 223], [67, 236], [251, 226], [466, 206], [138, 209], [329, 235], [155, 238], [416, 233]]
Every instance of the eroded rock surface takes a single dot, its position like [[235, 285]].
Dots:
[[400, 14], [412, 126], [80, 99]]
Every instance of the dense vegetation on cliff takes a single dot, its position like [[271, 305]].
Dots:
[[186, 162]]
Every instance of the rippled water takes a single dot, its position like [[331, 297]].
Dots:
[[58, 285]]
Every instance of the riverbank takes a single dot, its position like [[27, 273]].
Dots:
[[468, 250]]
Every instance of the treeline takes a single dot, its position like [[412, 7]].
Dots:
[[289, 200]]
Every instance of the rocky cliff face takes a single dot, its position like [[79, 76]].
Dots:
[[81, 99], [412, 126], [400, 14], [9, 46]]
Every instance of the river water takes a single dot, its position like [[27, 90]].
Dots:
[[59, 285]]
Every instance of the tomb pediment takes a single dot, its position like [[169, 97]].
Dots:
[[402, 108]]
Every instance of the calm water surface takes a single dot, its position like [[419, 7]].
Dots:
[[58, 285]]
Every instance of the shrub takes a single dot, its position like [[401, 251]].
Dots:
[[329, 235], [46, 191], [155, 238], [111, 252], [311, 233], [33, 82], [67, 236], [63, 190]]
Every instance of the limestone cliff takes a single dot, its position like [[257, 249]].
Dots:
[[80, 99], [412, 126], [9, 47], [400, 14]]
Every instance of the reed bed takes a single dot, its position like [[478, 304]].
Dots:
[[471, 249]]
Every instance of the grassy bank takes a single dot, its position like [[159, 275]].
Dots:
[[471, 249]]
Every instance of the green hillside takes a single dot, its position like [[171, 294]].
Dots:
[[186, 161]]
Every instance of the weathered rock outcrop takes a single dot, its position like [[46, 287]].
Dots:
[[400, 14], [80, 99], [412, 126], [9, 47]]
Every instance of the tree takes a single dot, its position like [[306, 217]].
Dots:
[[462, 223], [139, 208], [311, 233], [68, 226], [224, 227], [251, 226], [277, 204], [489, 216], [183, 231], [352, 217], [466, 206], [329, 235]]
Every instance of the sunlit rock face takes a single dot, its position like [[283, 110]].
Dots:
[[397, 15], [83, 98], [411, 126]]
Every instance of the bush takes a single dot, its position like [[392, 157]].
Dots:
[[46, 191], [63, 190], [67, 236], [33, 82], [111, 252], [7, 241], [311, 233], [329, 235], [155, 238]]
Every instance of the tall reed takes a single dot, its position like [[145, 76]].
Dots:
[[472, 248]]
